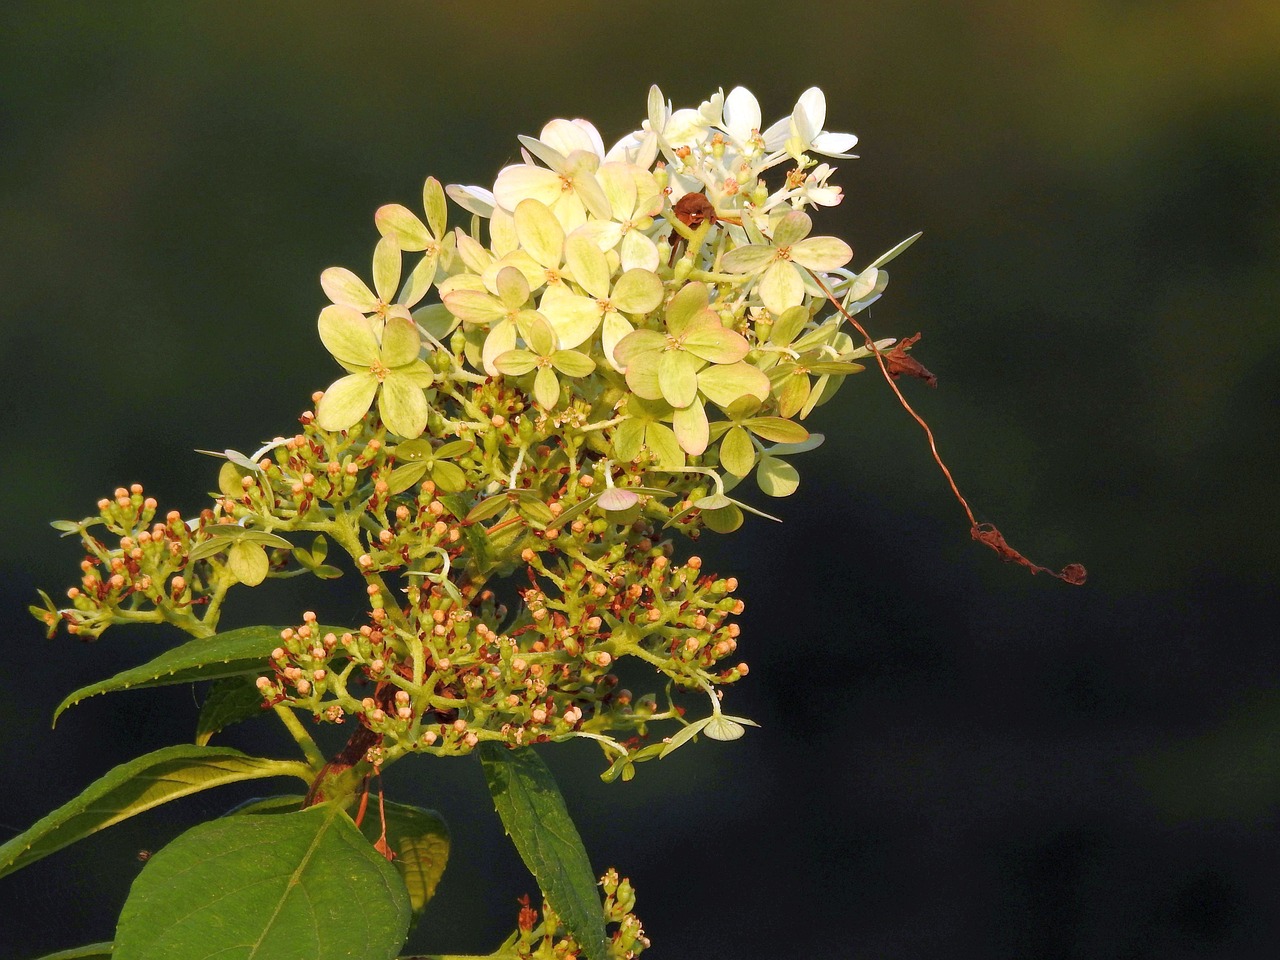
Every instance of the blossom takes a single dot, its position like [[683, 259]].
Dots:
[[781, 284], [804, 131]]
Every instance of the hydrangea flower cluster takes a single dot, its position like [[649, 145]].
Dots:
[[534, 399]]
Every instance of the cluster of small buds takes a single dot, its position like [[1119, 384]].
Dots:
[[542, 937]]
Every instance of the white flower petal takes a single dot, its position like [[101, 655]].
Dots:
[[521, 182]]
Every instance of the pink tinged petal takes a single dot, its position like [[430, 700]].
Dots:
[[723, 383], [403, 407], [713, 341], [346, 401], [515, 363], [535, 274], [614, 328], [792, 228], [399, 223], [501, 338], [522, 182], [540, 232], [642, 376], [348, 335], [628, 440], [474, 306], [434, 207], [475, 200], [617, 498], [822, 253], [834, 144], [587, 264], [573, 318], [638, 342], [346, 289], [737, 452], [386, 269], [741, 114], [546, 152], [605, 234], [513, 288], [400, 342], [573, 364], [546, 388], [637, 291], [619, 186], [662, 443], [691, 428], [419, 281], [678, 377], [638, 252], [780, 287], [748, 259], [688, 302], [473, 254]]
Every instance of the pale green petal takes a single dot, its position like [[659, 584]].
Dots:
[[724, 383], [473, 253], [628, 438], [348, 335], [453, 448], [619, 186], [433, 205], [708, 338], [513, 288], [503, 238], [723, 520], [535, 274], [612, 331], [748, 259], [588, 266], [346, 401], [545, 152], [449, 477], [540, 232], [515, 363], [546, 388], [893, 251], [822, 253], [636, 343], [691, 428], [403, 406], [573, 318], [638, 252], [678, 377], [737, 453], [777, 478], [474, 306], [522, 182], [582, 167], [573, 364], [501, 338], [346, 289], [402, 226], [788, 326], [400, 342], [537, 332], [419, 281], [780, 287], [249, 563], [793, 394], [436, 319], [417, 373], [792, 228], [689, 301], [777, 429], [642, 375], [662, 442], [637, 291]]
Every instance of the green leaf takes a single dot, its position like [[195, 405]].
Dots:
[[229, 701], [303, 884], [420, 840], [93, 951], [893, 251], [230, 654], [737, 453], [535, 817], [248, 561], [139, 785]]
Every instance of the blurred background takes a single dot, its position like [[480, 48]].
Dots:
[[955, 756]]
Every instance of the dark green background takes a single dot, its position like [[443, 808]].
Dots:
[[956, 758]]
